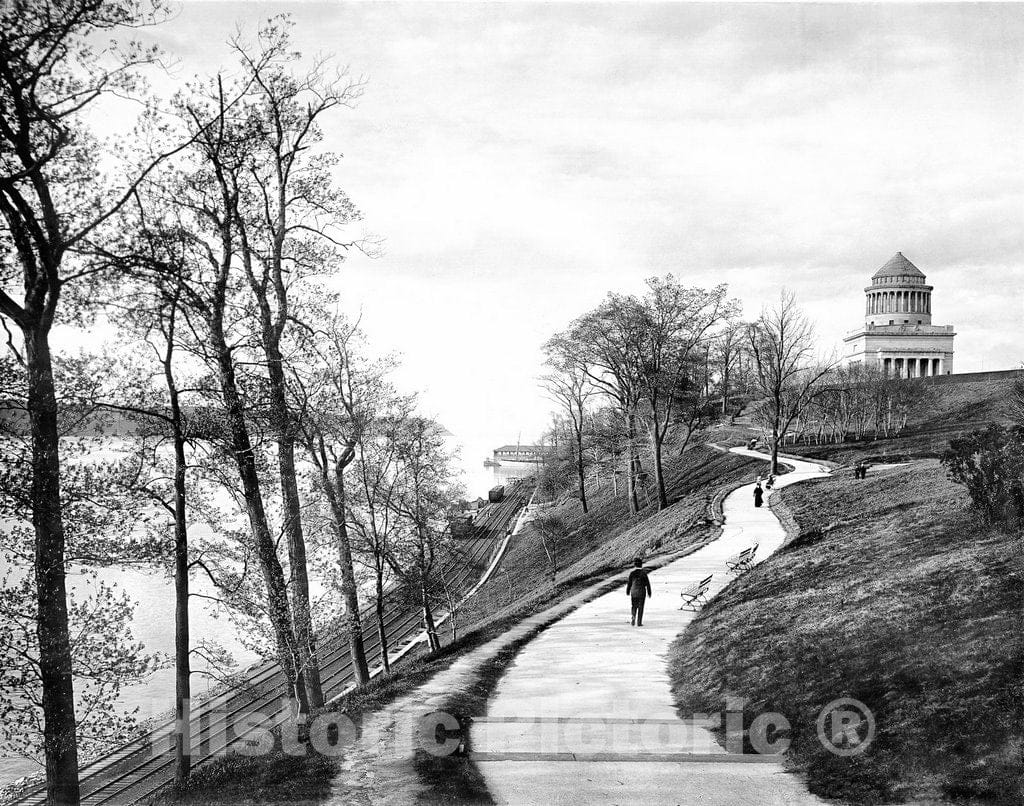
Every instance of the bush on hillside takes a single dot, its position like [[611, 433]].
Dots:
[[1015, 405], [990, 464], [552, 530], [555, 477]]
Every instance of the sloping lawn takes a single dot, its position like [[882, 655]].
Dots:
[[608, 537], [897, 596]]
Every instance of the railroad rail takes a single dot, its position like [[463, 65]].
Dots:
[[135, 770]]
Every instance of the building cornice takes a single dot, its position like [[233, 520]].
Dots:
[[901, 330], [898, 287]]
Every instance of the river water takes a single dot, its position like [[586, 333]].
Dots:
[[153, 622]]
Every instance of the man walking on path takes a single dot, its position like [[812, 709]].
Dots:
[[638, 588]]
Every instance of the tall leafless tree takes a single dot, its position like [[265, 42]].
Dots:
[[672, 341], [727, 355], [338, 395], [55, 202], [215, 308], [788, 375], [424, 496], [600, 344], [289, 219], [568, 386]]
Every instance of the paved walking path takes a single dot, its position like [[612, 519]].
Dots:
[[378, 767], [585, 714]]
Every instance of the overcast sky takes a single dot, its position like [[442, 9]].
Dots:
[[521, 161]]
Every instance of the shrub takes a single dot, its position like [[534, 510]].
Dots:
[[555, 477], [990, 464]]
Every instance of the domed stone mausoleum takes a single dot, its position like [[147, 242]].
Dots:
[[898, 335]]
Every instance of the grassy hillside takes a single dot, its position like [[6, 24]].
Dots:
[[949, 409], [607, 537], [895, 595], [958, 403]]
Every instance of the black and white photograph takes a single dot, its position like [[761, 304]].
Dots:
[[511, 403]]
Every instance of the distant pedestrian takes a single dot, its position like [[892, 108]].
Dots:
[[638, 588], [770, 483], [758, 495]]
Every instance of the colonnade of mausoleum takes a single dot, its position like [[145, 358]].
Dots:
[[899, 301], [911, 366]]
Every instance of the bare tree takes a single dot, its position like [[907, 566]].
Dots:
[[104, 517], [788, 376], [649, 356], [672, 343], [55, 200], [152, 309], [599, 344], [728, 348], [338, 397], [424, 496], [217, 324], [289, 220], [371, 509], [568, 386], [551, 528]]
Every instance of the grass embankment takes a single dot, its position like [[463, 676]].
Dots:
[[949, 409], [964, 402], [272, 778], [608, 537], [595, 544], [896, 595]]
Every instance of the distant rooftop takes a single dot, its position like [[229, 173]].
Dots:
[[522, 449]]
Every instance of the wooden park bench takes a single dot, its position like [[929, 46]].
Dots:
[[743, 561], [695, 596]]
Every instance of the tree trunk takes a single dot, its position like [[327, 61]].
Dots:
[[182, 665], [281, 422], [580, 469], [297, 563], [59, 728], [659, 475], [725, 386], [775, 450], [349, 590], [634, 504], [273, 574], [382, 635], [428, 617]]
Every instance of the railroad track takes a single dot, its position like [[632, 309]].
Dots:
[[137, 769]]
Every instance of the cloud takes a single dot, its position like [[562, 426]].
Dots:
[[523, 160]]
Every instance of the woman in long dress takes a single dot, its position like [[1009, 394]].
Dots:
[[758, 495]]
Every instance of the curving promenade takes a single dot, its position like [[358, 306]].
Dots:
[[585, 714]]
